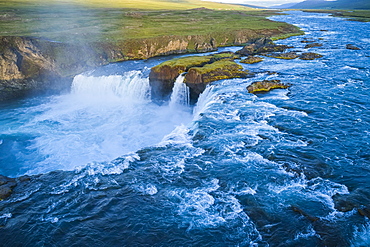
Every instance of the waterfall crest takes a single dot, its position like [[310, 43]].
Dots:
[[131, 86]]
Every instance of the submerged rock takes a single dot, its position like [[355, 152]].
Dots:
[[352, 47], [265, 86], [310, 56], [313, 45], [303, 213], [288, 55], [261, 46], [364, 211], [6, 187], [252, 60]]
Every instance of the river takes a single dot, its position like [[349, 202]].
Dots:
[[285, 168]]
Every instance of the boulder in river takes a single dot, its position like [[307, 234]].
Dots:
[[287, 55], [352, 47], [252, 60], [266, 85], [311, 45], [261, 46], [310, 56], [6, 187]]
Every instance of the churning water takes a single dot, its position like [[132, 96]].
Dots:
[[238, 169]]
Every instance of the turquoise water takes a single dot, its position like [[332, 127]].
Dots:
[[235, 170]]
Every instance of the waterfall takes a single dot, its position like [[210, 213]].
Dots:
[[204, 100], [180, 93], [131, 86]]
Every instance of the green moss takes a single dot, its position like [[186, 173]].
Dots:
[[265, 86], [184, 63], [252, 60]]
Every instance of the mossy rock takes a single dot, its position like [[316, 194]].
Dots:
[[287, 55], [198, 78], [266, 86], [252, 60], [310, 56], [163, 76]]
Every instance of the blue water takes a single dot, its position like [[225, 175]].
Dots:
[[227, 172]]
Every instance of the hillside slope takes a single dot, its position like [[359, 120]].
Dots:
[[339, 4]]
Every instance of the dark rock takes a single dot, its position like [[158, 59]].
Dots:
[[5, 180], [364, 212], [265, 86], [6, 186], [252, 59], [307, 41], [5, 192], [303, 213], [260, 46], [309, 56], [288, 55], [352, 47], [313, 45]]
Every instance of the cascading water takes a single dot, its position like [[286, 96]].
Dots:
[[102, 118], [180, 93]]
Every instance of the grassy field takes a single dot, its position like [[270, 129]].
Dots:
[[114, 20]]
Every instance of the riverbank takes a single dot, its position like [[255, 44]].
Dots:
[[43, 46]]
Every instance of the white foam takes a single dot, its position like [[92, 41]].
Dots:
[[180, 93], [6, 216], [361, 235]]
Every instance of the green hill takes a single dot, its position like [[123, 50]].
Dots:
[[339, 4]]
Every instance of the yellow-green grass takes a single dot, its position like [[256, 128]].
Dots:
[[129, 4], [101, 20]]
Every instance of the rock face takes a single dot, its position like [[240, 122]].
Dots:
[[198, 78], [201, 70], [261, 46], [265, 86]]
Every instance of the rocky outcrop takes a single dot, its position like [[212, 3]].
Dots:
[[310, 56], [294, 55], [201, 70], [261, 46], [352, 47], [311, 45], [198, 78], [7, 185], [287, 55], [251, 60], [28, 65], [266, 86]]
